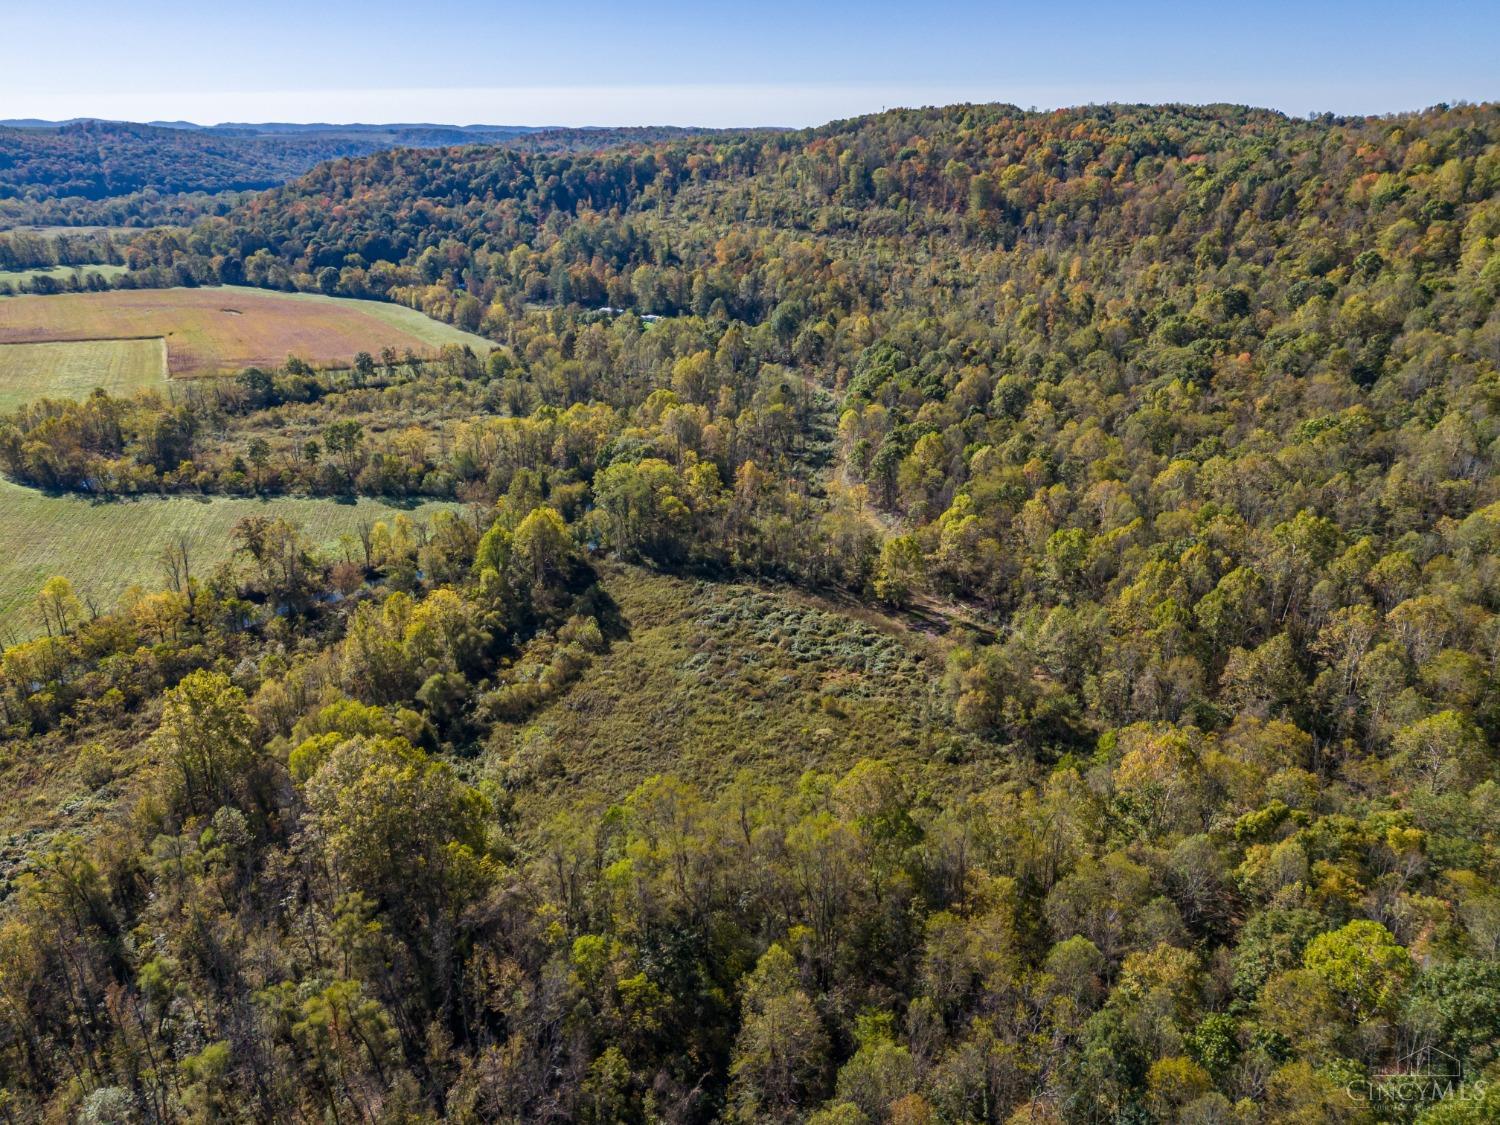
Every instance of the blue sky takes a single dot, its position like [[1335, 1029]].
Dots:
[[726, 64]]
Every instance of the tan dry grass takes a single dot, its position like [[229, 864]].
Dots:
[[223, 330]]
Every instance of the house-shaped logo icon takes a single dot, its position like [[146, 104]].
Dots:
[[1428, 1062]]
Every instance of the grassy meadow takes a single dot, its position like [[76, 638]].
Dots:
[[73, 369], [711, 679], [60, 273], [103, 547], [44, 231], [219, 331]]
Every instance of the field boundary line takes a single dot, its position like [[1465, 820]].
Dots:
[[82, 340]]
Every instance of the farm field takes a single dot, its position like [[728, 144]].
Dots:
[[105, 547], [221, 330], [71, 370], [61, 273], [66, 232]]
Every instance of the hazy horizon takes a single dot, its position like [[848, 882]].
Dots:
[[518, 109], [699, 65]]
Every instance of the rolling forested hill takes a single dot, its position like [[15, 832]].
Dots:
[[958, 615], [97, 159], [119, 172]]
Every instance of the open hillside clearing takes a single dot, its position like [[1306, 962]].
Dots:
[[104, 547], [709, 679], [73, 369], [220, 331]]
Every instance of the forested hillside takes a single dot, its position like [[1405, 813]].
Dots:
[[96, 159], [1095, 513], [131, 174]]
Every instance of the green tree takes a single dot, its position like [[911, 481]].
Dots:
[[1364, 965], [59, 606], [397, 824], [343, 440], [204, 742], [781, 1053], [899, 570]]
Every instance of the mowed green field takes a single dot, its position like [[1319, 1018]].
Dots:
[[71, 370], [105, 547], [69, 232], [222, 330], [61, 273]]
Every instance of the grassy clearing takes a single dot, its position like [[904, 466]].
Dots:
[[222, 330], [105, 547], [71, 370], [432, 334], [715, 678], [61, 273], [69, 232]]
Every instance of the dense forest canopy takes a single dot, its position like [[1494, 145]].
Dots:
[[1177, 424], [130, 174], [97, 159]]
